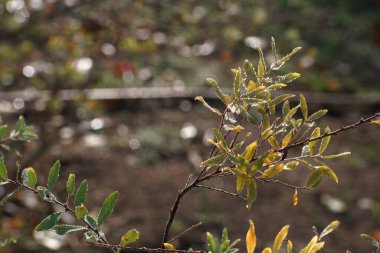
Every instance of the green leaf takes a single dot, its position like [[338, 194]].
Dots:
[[7, 197], [130, 237], [249, 151], [63, 229], [53, 175], [281, 98], [331, 227], [239, 183], [258, 164], [45, 194], [251, 192], [325, 141], [49, 222], [328, 172], [219, 93], [314, 179], [220, 138], [303, 107], [274, 50], [80, 211], [370, 240], [261, 68], [211, 243], [214, 161], [3, 131], [237, 82], [317, 115], [81, 195], [316, 133], [70, 185], [91, 236], [91, 221], [3, 170], [335, 156], [29, 177], [285, 108], [205, 104], [248, 67], [107, 207], [278, 64], [20, 125], [291, 113], [273, 170]]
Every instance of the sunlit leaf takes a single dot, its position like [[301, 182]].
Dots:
[[70, 185], [107, 207], [130, 237], [370, 240], [317, 115], [211, 243], [214, 161], [286, 140], [295, 197], [314, 179], [280, 238], [303, 107], [312, 144], [330, 228], [80, 211], [267, 250], [273, 170], [29, 177], [284, 59], [325, 141], [49, 222], [289, 247], [205, 104], [251, 238], [169, 246], [261, 68], [219, 93], [336, 155], [250, 150], [237, 82], [53, 175]]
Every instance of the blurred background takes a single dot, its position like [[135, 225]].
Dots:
[[109, 86]]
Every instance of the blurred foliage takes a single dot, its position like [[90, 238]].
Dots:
[[78, 44]]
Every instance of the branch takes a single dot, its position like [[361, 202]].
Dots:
[[67, 208], [221, 190], [185, 231], [342, 129], [147, 250]]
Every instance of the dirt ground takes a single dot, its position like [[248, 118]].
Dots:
[[134, 154]]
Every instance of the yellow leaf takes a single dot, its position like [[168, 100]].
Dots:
[[377, 122], [295, 198], [250, 150], [273, 170], [267, 250], [271, 157], [251, 238], [238, 129], [251, 86], [169, 246], [280, 238], [286, 140], [289, 247]]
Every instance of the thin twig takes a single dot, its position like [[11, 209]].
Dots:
[[67, 208], [185, 231], [148, 250], [276, 181], [221, 190], [342, 129]]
